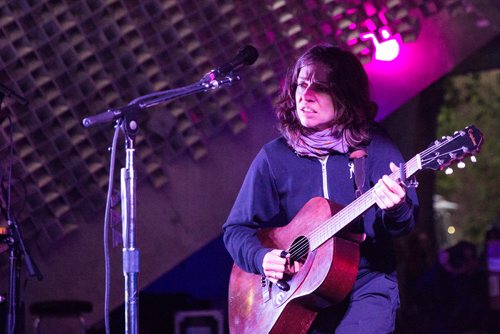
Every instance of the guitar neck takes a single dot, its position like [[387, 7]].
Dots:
[[355, 209]]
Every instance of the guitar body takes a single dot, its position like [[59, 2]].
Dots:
[[326, 277]]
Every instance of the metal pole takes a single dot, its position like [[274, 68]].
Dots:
[[130, 253], [14, 274]]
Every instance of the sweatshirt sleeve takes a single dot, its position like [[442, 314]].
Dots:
[[256, 204], [401, 220], [398, 221]]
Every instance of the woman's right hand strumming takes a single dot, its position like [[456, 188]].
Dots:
[[275, 266]]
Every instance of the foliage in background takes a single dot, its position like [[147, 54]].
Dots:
[[473, 99]]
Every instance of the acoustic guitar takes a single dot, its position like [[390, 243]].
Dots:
[[330, 253]]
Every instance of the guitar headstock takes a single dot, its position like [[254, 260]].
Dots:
[[442, 153]]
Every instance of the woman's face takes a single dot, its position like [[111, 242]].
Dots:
[[312, 98]]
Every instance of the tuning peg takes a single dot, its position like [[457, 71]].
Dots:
[[448, 171], [461, 164], [473, 158]]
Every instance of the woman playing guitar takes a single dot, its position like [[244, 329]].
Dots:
[[326, 120]]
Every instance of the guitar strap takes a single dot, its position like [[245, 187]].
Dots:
[[358, 158]]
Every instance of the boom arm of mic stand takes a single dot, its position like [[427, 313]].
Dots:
[[153, 99], [201, 86]]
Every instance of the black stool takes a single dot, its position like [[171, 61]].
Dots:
[[60, 309]]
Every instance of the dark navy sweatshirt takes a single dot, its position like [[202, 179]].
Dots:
[[279, 183]]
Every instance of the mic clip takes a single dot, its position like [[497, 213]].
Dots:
[[207, 78], [210, 81]]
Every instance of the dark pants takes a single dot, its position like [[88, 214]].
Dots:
[[370, 308]]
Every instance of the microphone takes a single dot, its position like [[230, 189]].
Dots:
[[247, 55]]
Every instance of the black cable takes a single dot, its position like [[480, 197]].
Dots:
[[106, 227]]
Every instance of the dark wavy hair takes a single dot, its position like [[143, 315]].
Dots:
[[349, 89]]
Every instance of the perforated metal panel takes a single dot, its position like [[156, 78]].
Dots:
[[72, 59]]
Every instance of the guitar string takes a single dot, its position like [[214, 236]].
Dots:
[[329, 227], [332, 225], [322, 233], [339, 220], [461, 133], [300, 248]]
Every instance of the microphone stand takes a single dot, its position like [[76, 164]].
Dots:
[[127, 117], [128, 197], [17, 250]]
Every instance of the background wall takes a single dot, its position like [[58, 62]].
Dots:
[[71, 59]]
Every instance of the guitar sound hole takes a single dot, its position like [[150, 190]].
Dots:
[[299, 250]]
